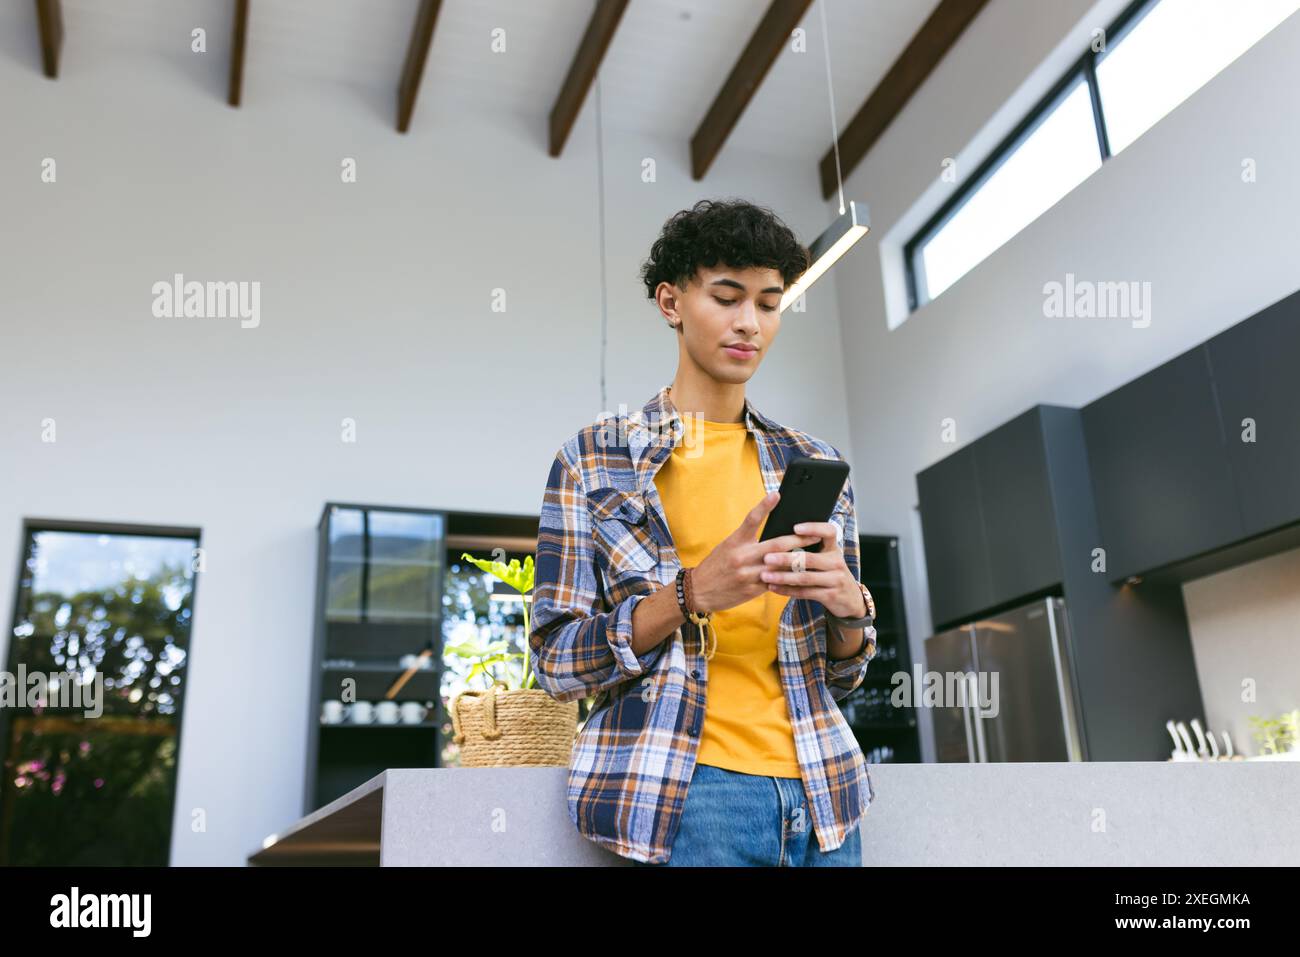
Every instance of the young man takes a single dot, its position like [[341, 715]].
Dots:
[[716, 660]]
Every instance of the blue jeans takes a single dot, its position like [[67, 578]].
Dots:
[[733, 819]]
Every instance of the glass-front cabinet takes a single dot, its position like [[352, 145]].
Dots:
[[886, 734], [378, 616], [390, 585], [384, 566]]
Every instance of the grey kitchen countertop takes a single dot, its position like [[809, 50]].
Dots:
[[1038, 814]]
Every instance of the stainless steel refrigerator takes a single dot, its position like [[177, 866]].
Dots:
[[1017, 665]]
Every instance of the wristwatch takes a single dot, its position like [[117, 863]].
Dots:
[[863, 622]]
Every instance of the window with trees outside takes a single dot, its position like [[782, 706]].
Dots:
[[100, 641]]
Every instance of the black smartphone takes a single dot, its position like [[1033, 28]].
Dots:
[[809, 490]]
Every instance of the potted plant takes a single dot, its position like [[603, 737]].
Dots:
[[1278, 738], [500, 725]]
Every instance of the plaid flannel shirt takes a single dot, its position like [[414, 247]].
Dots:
[[603, 546]]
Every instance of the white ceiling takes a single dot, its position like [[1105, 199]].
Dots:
[[668, 59]]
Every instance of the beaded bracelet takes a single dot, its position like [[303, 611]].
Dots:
[[703, 621], [681, 594]]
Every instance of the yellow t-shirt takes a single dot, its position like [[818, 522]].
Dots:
[[707, 487]]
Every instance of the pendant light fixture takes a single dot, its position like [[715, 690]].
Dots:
[[851, 225]]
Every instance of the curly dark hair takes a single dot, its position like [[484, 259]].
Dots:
[[732, 232]]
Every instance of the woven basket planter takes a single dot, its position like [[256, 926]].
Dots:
[[511, 728]]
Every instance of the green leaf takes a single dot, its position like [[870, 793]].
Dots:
[[517, 576]]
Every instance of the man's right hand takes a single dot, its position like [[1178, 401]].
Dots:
[[729, 575]]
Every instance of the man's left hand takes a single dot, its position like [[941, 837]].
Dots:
[[825, 578]]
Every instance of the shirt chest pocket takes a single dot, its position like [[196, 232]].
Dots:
[[625, 544]]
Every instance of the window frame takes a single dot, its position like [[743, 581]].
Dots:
[[1085, 68]]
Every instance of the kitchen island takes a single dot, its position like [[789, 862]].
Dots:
[[1165, 814]]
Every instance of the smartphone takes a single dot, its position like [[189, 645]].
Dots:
[[809, 490]]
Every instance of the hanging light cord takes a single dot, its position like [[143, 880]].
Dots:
[[830, 89], [600, 194]]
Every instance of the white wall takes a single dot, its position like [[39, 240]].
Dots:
[[1243, 625], [1172, 209], [375, 305]]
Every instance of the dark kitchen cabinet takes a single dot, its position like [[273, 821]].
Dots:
[[956, 551], [1160, 472], [988, 521], [1016, 506], [1254, 368]]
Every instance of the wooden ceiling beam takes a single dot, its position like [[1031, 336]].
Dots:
[[582, 71], [935, 38], [760, 53], [238, 43], [49, 18], [416, 55]]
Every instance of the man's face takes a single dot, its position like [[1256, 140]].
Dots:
[[727, 319]]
